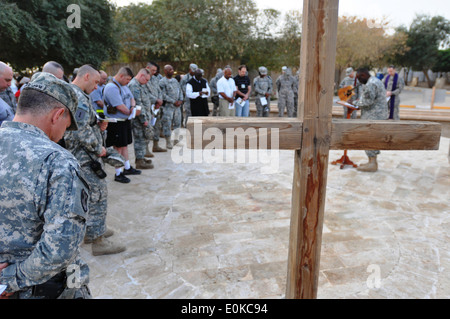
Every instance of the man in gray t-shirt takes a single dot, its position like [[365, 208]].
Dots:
[[119, 98]]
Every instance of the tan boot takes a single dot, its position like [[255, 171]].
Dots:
[[107, 234], [157, 149], [149, 154], [177, 139], [371, 167], [143, 164], [102, 246], [169, 145]]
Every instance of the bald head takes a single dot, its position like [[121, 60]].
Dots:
[[198, 74], [6, 76], [168, 70], [87, 78], [86, 69], [103, 77], [54, 68], [227, 73]]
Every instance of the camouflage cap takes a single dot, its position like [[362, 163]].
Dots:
[[193, 67], [59, 90], [349, 71], [263, 70]]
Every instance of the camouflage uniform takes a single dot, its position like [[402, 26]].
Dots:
[[286, 88], [262, 86], [172, 92], [154, 93], [10, 99], [142, 134], [214, 93], [187, 102], [85, 143], [6, 113], [297, 84], [44, 205], [348, 81], [396, 93], [373, 104]]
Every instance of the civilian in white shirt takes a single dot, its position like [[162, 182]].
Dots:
[[226, 87]]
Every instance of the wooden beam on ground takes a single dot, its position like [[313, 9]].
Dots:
[[286, 134]]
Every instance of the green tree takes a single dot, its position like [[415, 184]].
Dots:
[[33, 32], [181, 31], [443, 61], [426, 36], [288, 51], [363, 42], [261, 49], [276, 40]]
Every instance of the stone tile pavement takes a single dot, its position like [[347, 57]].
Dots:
[[220, 231]]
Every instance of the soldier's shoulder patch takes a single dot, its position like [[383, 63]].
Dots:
[[84, 200], [80, 115], [83, 106]]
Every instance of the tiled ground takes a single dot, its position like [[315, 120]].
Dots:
[[220, 231]]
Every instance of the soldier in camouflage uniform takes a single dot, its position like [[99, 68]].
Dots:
[[263, 86], [86, 145], [373, 107], [6, 78], [156, 99], [141, 125], [297, 84], [44, 203], [351, 80], [173, 98], [187, 102], [10, 99], [214, 92], [286, 88]]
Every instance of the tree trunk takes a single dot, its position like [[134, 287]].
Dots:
[[430, 83], [406, 76]]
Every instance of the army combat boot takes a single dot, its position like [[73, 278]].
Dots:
[[169, 145], [149, 154], [143, 164], [371, 167], [102, 246], [107, 234], [157, 149], [177, 139]]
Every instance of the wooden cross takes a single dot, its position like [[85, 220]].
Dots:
[[311, 136]]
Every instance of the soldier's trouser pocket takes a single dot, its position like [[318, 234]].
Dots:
[[52, 289]]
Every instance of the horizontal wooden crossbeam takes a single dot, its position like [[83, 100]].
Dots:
[[286, 134]]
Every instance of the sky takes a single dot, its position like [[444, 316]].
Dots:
[[398, 12]]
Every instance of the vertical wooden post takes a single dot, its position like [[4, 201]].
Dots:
[[318, 56], [433, 96]]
